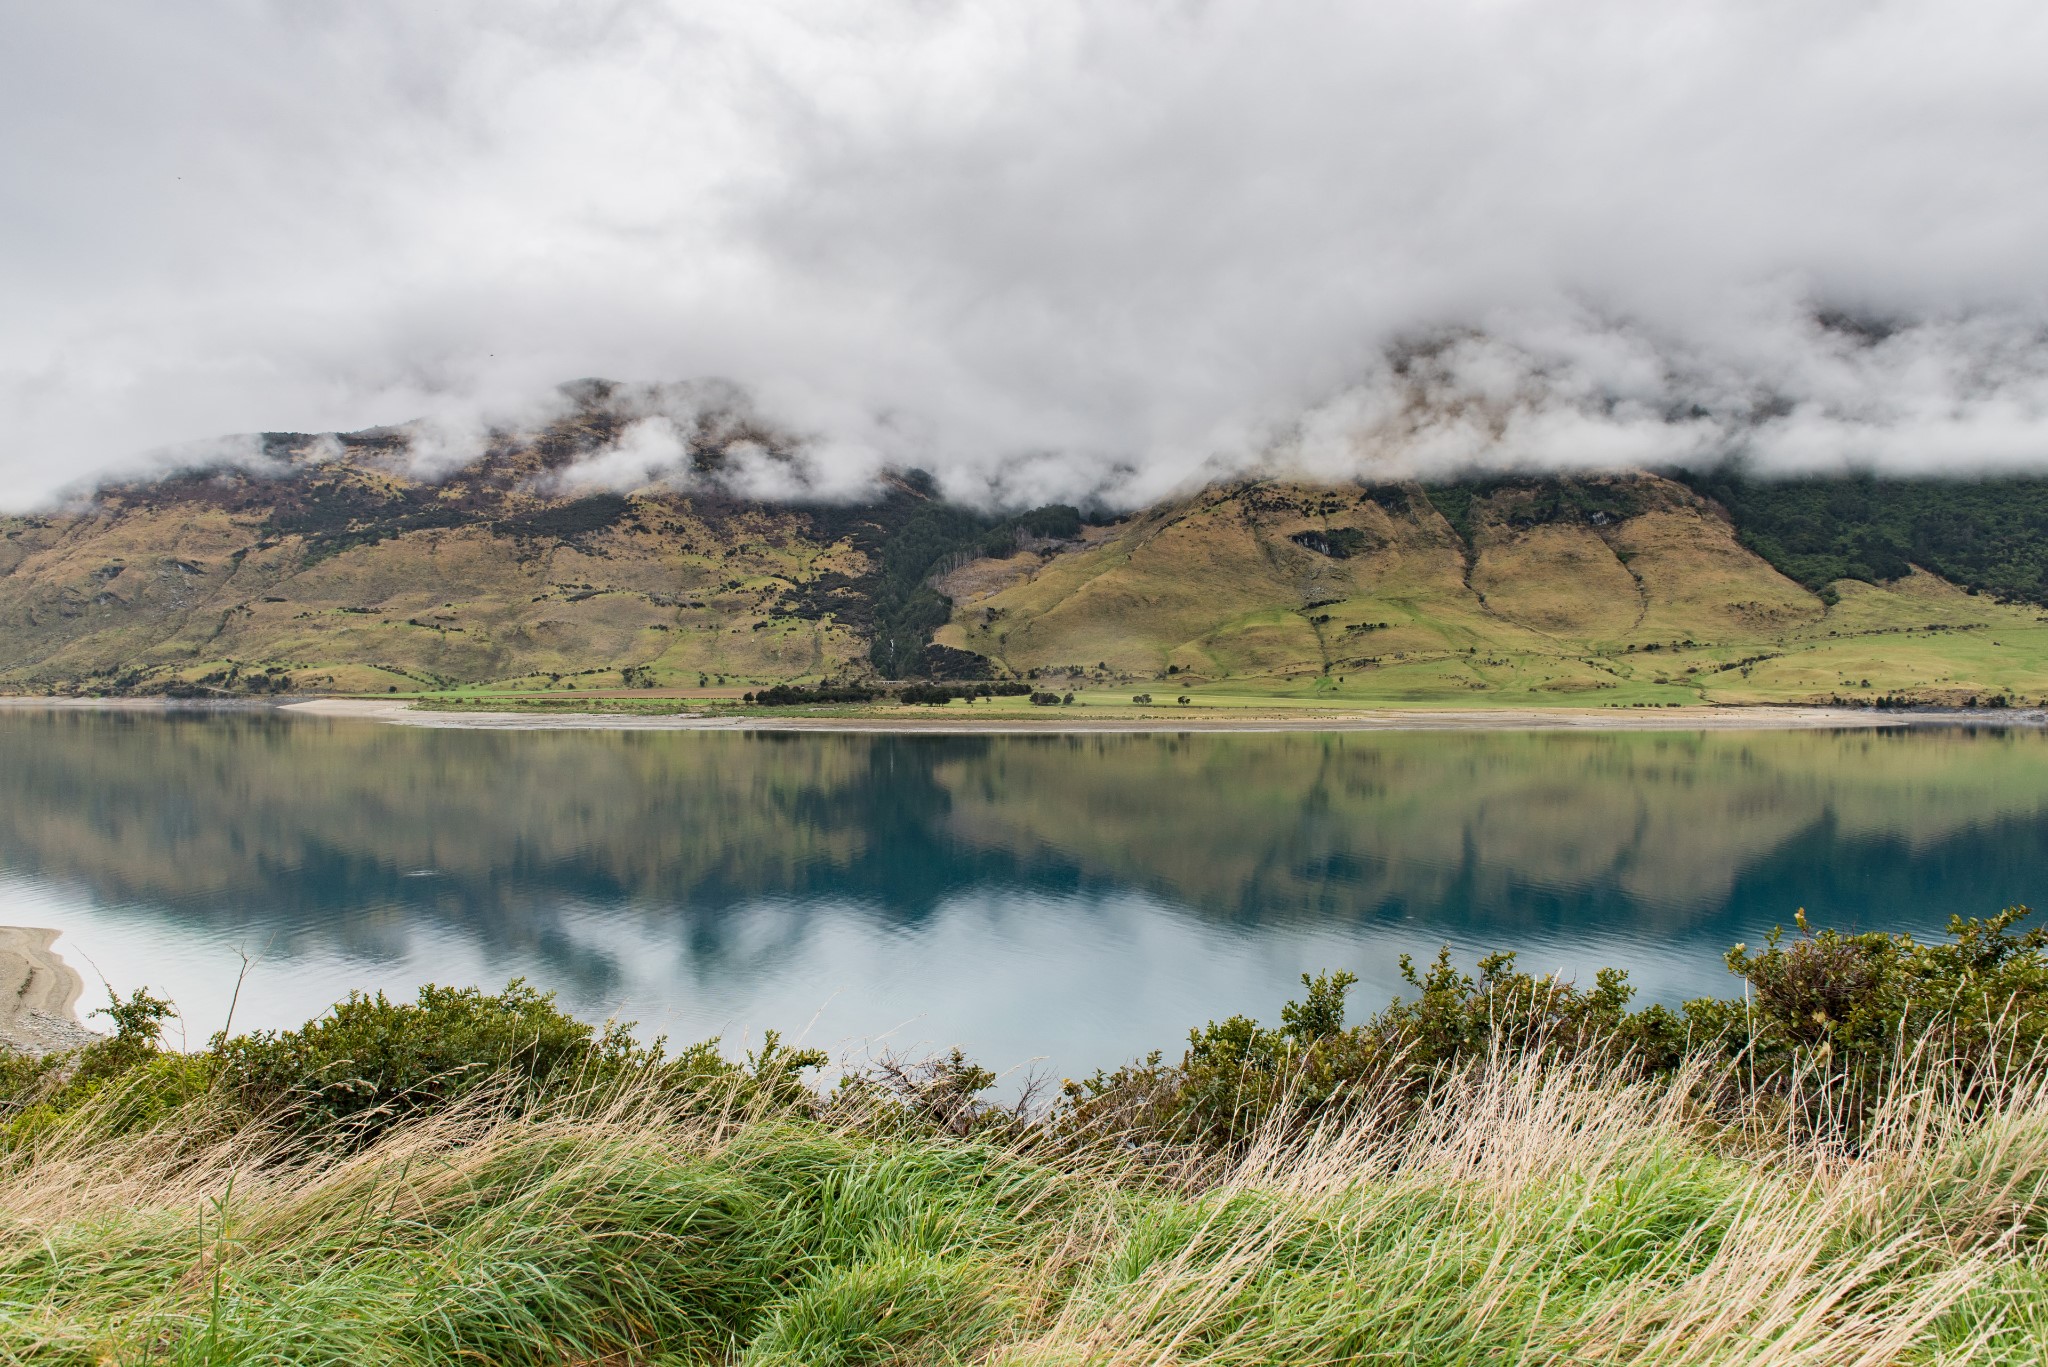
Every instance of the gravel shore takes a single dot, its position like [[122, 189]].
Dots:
[[38, 994]]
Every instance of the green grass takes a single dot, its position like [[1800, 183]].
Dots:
[[1930, 645], [1524, 1218]]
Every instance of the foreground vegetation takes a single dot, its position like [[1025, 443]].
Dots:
[[1849, 1165]]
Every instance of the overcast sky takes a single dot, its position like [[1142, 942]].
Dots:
[[1041, 247]]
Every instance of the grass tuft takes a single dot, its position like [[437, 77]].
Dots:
[[1529, 1212]]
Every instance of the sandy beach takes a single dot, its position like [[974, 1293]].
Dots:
[[38, 994], [1364, 719]]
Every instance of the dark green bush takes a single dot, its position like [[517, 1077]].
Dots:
[[137, 1038], [566, 521], [1237, 1073], [797, 695], [1339, 543], [1828, 1016], [938, 695], [1057, 521], [372, 1060], [906, 608], [1852, 1005], [945, 662]]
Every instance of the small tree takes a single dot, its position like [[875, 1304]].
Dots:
[[1321, 1014], [138, 1026]]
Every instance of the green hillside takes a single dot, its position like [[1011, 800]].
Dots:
[[330, 567], [1626, 590]]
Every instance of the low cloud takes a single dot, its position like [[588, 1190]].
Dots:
[[1795, 392], [1042, 248]]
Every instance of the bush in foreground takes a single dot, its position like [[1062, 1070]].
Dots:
[[1828, 1022]]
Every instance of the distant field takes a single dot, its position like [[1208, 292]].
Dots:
[[1919, 641]]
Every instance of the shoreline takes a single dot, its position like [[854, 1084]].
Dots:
[[1702, 718], [1691, 717], [39, 994]]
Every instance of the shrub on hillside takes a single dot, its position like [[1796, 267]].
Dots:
[[372, 1056], [1851, 1004], [1236, 1073], [372, 1061]]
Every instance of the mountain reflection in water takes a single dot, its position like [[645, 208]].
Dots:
[[1079, 897]]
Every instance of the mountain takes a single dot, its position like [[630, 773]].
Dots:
[[331, 562], [334, 562], [1533, 588]]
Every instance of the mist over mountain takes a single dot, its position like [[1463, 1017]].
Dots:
[[1046, 251]]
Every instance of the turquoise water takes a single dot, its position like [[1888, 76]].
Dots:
[[1072, 899]]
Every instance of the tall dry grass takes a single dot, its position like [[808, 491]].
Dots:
[[1560, 1213]]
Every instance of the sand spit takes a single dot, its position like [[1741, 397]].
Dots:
[[38, 994], [46, 702], [405, 714], [1377, 719]]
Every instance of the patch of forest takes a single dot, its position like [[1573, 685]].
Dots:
[[1990, 535]]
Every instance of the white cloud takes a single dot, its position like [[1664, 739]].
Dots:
[[649, 451], [1041, 247]]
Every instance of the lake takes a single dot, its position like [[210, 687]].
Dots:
[[1073, 899]]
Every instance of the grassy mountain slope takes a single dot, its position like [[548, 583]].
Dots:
[[331, 564], [151, 592], [346, 572], [1628, 589], [1277, 578]]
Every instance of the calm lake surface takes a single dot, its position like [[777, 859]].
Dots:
[[1076, 899]]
